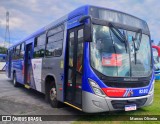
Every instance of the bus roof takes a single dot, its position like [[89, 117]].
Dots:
[[83, 10]]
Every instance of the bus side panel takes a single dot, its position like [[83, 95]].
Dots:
[[17, 67], [40, 68], [21, 71], [35, 74], [54, 67]]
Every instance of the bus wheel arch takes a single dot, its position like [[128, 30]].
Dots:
[[51, 92]]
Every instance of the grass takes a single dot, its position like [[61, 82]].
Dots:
[[109, 117]]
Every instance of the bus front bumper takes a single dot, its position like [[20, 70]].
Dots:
[[92, 103]]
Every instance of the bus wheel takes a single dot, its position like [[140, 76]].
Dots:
[[53, 97], [15, 83]]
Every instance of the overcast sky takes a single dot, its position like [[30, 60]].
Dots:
[[26, 16]]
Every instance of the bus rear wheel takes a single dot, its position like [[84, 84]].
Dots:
[[53, 96], [15, 83]]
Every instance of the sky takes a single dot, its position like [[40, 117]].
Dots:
[[27, 16]]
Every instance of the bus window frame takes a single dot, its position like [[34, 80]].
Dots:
[[22, 56], [36, 41], [47, 36]]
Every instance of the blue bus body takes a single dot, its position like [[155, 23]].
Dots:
[[95, 93]]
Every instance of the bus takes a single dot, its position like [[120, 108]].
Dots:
[[2, 62], [156, 57], [93, 59]]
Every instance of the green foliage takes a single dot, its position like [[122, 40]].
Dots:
[[3, 50]]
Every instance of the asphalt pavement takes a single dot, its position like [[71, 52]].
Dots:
[[22, 101]]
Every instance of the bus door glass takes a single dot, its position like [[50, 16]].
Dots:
[[27, 68], [75, 66]]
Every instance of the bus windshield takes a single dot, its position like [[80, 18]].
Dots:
[[112, 56]]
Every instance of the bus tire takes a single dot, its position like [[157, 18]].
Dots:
[[52, 92], [15, 83]]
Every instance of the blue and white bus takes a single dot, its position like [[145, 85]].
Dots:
[[93, 59]]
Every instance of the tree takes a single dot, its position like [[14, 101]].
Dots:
[[3, 50]]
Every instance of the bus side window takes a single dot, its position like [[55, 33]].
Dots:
[[80, 50], [54, 42], [17, 52], [39, 46], [22, 50]]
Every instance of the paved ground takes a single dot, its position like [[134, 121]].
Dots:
[[21, 101]]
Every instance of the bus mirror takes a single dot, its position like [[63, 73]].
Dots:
[[87, 33], [87, 27], [84, 18]]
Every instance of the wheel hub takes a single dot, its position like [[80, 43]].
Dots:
[[53, 94]]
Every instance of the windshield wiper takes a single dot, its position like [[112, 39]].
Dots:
[[135, 51], [137, 45], [138, 39], [118, 34]]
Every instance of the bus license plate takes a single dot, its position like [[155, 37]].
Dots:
[[130, 107]]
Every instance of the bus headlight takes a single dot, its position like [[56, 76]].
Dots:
[[97, 90]]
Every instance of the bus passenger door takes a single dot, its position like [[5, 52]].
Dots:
[[27, 63], [73, 94]]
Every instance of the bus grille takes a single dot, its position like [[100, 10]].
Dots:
[[120, 104], [119, 82], [127, 84]]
